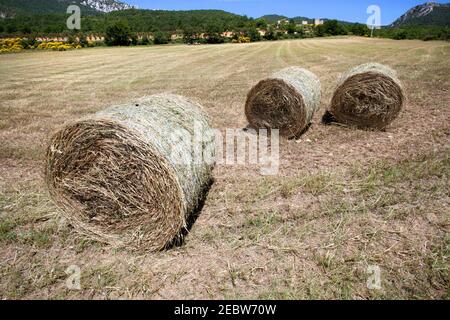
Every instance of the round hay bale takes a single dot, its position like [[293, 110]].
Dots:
[[286, 101], [369, 96], [127, 176]]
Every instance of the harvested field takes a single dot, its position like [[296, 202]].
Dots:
[[344, 200]]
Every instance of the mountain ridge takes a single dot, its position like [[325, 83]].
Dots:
[[11, 8], [429, 13], [274, 18], [107, 5]]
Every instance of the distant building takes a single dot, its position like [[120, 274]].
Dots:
[[227, 34], [318, 22], [304, 22], [176, 36], [281, 22]]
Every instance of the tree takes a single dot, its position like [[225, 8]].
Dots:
[[25, 29], [300, 32], [83, 40], [161, 38], [331, 28], [190, 35], [71, 39], [253, 34], [359, 29], [145, 40], [11, 28], [213, 34], [134, 40], [271, 34], [291, 27], [27, 43], [400, 35], [320, 31], [118, 34], [261, 23]]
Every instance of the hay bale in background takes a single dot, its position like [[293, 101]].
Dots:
[[118, 176], [369, 96], [286, 101]]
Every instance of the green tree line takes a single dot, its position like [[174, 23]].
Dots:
[[191, 24]]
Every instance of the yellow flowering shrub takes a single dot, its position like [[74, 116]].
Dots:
[[16, 45], [57, 46], [242, 39], [10, 45]]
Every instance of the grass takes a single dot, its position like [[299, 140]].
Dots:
[[344, 200], [7, 233]]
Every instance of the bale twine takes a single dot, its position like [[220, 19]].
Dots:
[[369, 96], [118, 176], [286, 101]]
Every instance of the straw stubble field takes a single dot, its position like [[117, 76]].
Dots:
[[344, 200]]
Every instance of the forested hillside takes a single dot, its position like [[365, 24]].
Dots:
[[138, 20]]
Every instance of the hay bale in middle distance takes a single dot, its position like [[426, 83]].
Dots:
[[129, 175], [369, 96], [286, 101]]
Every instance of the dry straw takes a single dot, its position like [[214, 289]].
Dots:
[[118, 176], [369, 96], [286, 101]]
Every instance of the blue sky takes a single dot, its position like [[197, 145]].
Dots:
[[348, 10]]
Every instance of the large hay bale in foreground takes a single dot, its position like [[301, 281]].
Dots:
[[124, 176], [369, 96], [286, 101]]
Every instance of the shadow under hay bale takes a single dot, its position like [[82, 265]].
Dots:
[[369, 96], [287, 101], [128, 176], [178, 241]]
